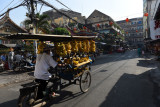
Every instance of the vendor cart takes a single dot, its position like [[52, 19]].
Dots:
[[70, 51]]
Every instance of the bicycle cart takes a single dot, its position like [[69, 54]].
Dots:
[[70, 51]]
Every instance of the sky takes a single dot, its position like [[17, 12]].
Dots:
[[116, 9]]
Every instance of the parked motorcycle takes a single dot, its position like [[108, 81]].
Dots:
[[23, 65]]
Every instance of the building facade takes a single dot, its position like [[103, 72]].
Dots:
[[101, 22], [104, 24], [149, 7], [152, 26], [61, 20], [133, 31]]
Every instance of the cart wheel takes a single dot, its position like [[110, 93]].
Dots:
[[85, 81]]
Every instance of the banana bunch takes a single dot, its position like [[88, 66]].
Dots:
[[74, 45], [83, 59], [80, 46], [87, 46], [41, 46], [93, 46], [75, 62], [68, 47], [68, 61], [84, 46], [78, 58], [60, 49]]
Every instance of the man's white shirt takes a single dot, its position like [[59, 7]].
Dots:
[[43, 62]]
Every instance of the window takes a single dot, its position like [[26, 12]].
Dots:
[[139, 22]]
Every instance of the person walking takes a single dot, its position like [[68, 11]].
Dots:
[[139, 51], [3, 58], [10, 58], [142, 53]]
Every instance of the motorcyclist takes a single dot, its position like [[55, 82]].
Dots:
[[43, 62]]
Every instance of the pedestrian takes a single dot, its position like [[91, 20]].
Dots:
[[10, 58], [18, 58], [139, 51], [3, 58], [43, 62], [142, 53]]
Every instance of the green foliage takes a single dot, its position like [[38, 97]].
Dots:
[[121, 37], [41, 23], [4, 50], [29, 47], [80, 26], [71, 24], [61, 31]]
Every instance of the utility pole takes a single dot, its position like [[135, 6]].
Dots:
[[33, 19]]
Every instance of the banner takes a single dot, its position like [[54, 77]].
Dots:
[[154, 29]]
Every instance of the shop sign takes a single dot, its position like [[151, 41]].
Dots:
[[157, 37], [155, 29]]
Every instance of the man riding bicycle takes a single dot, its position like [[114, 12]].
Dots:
[[43, 62]]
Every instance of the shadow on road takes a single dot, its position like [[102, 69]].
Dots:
[[64, 96], [131, 91], [146, 63], [12, 103]]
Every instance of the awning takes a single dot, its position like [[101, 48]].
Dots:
[[46, 37], [2, 46], [11, 45], [102, 43]]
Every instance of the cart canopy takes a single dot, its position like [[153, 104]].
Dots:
[[46, 37]]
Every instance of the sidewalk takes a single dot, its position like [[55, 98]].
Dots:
[[10, 77]]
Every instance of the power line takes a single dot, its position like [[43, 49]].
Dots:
[[46, 3], [6, 6], [63, 4], [16, 3], [13, 8]]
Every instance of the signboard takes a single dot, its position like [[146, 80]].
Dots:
[[155, 29]]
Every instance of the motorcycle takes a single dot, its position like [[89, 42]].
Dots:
[[23, 65]]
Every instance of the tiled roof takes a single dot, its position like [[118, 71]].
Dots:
[[6, 19]]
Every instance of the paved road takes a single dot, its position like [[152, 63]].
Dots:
[[118, 80]]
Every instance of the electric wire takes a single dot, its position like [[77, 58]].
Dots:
[[41, 8], [16, 3], [63, 4], [6, 6], [13, 8], [51, 6]]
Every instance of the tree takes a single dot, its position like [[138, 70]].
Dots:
[[41, 23], [61, 31]]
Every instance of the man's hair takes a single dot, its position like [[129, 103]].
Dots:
[[46, 49]]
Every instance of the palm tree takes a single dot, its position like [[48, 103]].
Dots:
[[41, 23]]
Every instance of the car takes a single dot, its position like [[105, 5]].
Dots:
[[120, 50]]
